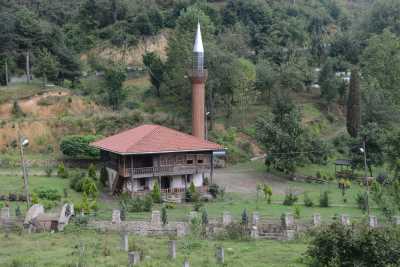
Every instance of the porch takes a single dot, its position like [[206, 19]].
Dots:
[[166, 170]]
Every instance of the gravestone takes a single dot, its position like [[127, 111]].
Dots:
[[345, 219], [5, 213], [226, 218], [255, 218], [290, 234], [33, 213], [316, 219], [186, 263], [66, 212], [396, 220], [124, 241], [116, 217], [254, 232], [155, 217], [180, 229], [133, 258], [220, 255], [372, 221], [288, 220], [172, 249]]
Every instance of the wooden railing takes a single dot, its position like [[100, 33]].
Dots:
[[201, 189], [167, 170]]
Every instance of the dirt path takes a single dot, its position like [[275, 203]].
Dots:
[[246, 180]]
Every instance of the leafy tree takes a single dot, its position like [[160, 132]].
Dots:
[[281, 133], [114, 78], [156, 193], [164, 216], [329, 82], [46, 66], [354, 104], [89, 188], [155, 67], [267, 193], [77, 146], [92, 172], [62, 171]]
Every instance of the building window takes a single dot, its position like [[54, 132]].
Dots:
[[189, 161], [188, 178], [200, 161], [142, 182]]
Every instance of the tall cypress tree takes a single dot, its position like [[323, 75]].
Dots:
[[354, 104]]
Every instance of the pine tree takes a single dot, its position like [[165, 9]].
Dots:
[[354, 104], [164, 216], [156, 193]]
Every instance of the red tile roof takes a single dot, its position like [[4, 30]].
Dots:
[[153, 139]]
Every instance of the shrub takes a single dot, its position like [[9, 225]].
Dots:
[[267, 193], [18, 211], [235, 231], [290, 198], [92, 172], [324, 199], [362, 201], [297, 212], [76, 181], [164, 216], [48, 194], [77, 146], [170, 206], [62, 172], [245, 218], [89, 187], [156, 193], [308, 201], [197, 206], [136, 204], [12, 197], [16, 110], [204, 217], [48, 170], [214, 190]]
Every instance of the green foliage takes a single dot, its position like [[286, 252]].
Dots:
[[114, 78], [18, 212], [308, 202], [136, 204], [297, 212], [103, 176], [245, 218], [92, 172], [77, 146], [155, 68], [204, 217], [48, 170], [89, 187], [62, 172], [77, 180], [362, 201], [290, 198], [324, 199], [164, 215], [337, 245], [354, 104], [46, 66], [156, 193], [48, 193], [267, 193], [214, 190]]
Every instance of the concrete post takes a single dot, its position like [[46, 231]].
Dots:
[[226, 218], [255, 218], [186, 263], [372, 221], [220, 255], [124, 241], [172, 249], [316, 219], [133, 258], [116, 217], [288, 220], [345, 219], [5, 213], [254, 232], [155, 217]]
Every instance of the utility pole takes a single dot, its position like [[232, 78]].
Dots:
[[24, 172], [28, 72], [6, 70], [366, 175]]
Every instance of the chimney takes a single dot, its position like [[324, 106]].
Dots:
[[198, 77]]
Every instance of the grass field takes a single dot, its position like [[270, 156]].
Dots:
[[62, 249]]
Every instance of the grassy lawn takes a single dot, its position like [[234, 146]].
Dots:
[[62, 249], [233, 202]]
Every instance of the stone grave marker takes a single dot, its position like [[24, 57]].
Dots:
[[116, 217], [255, 218], [226, 218], [372, 221], [316, 219], [220, 255], [345, 219], [156, 218], [172, 249], [133, 258]]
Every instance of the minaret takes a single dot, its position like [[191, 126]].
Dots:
[[198, 77]]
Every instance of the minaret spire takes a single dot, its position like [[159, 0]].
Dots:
[[198, 43]]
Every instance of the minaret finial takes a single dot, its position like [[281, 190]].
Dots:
[[198, 43]]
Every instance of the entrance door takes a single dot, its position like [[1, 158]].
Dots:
[[165, 182]]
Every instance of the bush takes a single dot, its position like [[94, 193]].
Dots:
[[267, 193], [337, 245], [290, 198], [77, 146], [362, 201], [156, 193], [297, 212], [48, 170], [324, 199], [48, 194], [16, 110], [214, 190], [12, 197], [164, 216], [62, 172], [136, 204], [92, 172], [76, 181], [197, 206], [308, 201]]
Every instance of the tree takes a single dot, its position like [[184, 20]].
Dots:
[[329, 83], [164, 216], [92, 172], [114, 78], [77, 146], [155, 68], [46, 66], [354, 104], [156, 193]]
